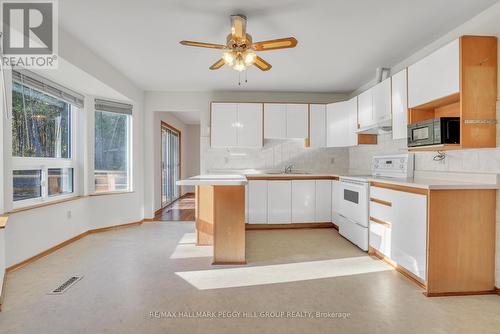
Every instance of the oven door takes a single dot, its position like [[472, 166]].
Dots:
[[354, 202], [421, 134]]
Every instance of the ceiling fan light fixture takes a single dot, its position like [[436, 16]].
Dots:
[[228, 58], [249, 58], [239, 65]]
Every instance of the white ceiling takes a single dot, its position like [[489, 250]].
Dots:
[[340, 42]]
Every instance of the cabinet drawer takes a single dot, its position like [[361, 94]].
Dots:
[[382, 194], [381, 211], [380, 238]]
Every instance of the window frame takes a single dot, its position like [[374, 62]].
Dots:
[[129, 132], [44, 164]]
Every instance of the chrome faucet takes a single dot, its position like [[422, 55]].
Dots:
[[288, 169]]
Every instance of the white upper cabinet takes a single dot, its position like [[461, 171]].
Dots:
[[381, 100], [341, 120], [317, 124], [236, 125], [286, 120], [351, 125], [297, 122], [250, 125], [224, 118], [399, 105], [334, 114], [274, 120], [435, 76], [303, 201], [365, 109]]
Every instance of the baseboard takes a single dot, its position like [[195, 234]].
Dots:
[[497, 290], [67, 242], [287, 226], [410, 276], [114, 227], [228, 263], [464, 293], [45, 253], [2, 294]]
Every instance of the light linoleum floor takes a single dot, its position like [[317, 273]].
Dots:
[[151, 279]]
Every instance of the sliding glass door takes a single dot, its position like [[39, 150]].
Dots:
[[170, 163]]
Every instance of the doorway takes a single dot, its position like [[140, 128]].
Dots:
[[170, 163]]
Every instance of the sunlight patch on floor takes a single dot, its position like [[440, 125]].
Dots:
[[186, 248], [282, 273]]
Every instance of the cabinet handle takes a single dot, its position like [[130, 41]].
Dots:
[[379, 201], [381, 222]]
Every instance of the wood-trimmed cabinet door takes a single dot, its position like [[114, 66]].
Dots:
[[257, 202], [303, 201], [400, 105], [274, 120], [279, 202], [435, 76], [381, 97], [297, 121], [224, 121], [323, 210], [250, 125], [409, 232], [365, 108], [317, 124]]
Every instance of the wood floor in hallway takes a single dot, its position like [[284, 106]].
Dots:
[[181, 210]]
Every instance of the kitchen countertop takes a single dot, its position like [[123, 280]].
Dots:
[[214, 180], [433, 184], [422, 180]]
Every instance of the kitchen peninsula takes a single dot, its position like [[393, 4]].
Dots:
[[220, 215]]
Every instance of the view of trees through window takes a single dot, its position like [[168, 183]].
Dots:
[[41, 124], [111, 151]]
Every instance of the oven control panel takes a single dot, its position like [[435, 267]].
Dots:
[[398, 165]]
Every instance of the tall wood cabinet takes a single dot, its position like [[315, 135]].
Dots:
[[458, 80]]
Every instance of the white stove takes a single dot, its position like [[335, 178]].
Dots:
[[352, 192]]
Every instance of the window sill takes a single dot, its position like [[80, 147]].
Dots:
[[108, 193], [44, 204]]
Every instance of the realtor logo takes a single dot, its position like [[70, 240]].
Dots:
[[29, 33]]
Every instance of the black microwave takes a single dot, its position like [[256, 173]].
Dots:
[[444, 130]]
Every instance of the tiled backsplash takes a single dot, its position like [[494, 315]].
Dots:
[[276, 154]]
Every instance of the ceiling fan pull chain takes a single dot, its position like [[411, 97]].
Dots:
[[246, 81], [239, 78]]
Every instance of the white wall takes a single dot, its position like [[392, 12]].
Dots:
[[30, 232], [2, 258], [473, 160], [193, 151]]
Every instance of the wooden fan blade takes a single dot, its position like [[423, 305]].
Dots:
[[238, 26], [273, 44], [218, 64], [262, 64], [203, 45]]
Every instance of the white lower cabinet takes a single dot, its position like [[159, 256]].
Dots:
[[257, 202], [409, 232], [279, 202], [380, 238], [323, 210], [336, 198], [303, 201], [403, 238]]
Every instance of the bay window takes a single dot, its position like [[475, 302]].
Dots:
[[43, 132], [112, 146]]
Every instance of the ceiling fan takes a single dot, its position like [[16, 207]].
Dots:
[[240, 51]]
